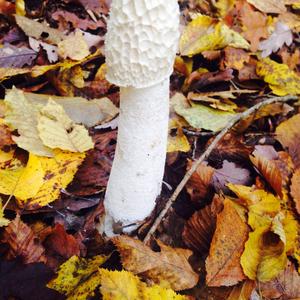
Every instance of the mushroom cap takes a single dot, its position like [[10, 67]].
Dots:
[[141, 41]]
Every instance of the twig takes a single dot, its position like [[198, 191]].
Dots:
[[207, 152]]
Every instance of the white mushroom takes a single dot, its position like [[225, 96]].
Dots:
[[140, 48]]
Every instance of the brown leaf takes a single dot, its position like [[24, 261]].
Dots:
[[242, 291], [59, 243], [200, 183], [288, 135], [287, 284], [254, 31], [223, 263], [23, 242], [295, 189], [5, 136], [235, 58], [169, 267], [199, 229]]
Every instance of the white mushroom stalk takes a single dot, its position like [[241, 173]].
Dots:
[[140, 48]]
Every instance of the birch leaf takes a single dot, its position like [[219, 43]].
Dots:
[[124, 285], [37, 30], [14, 57], [281, 35], [280, 78], [78, 277], [23, 116], [57, 130]]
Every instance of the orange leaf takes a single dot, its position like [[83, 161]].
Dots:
[[295, 189], [242, 291], [223, 263]]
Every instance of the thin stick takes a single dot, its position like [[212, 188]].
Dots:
[[207, 152]]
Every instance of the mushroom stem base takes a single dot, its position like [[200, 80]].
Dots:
[[137, 172]]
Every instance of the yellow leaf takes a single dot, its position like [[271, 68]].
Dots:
[[224, 6], [23, 116], [3, 220], [59, 172], [78, 277], [177, 141], [124, 285], [205, 33], [57, 130], [20, 8], [23, 183], [280, 78], [74, 47]]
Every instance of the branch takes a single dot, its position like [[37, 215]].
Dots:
[[207, 152]]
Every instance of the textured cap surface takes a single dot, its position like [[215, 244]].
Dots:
[[141, 41]]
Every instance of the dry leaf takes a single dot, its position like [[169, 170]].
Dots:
[[50, 49], [66, 48], [3, 220], [242, 291], [223, 263], [288, 135], [280, 36], [122, 285], [269, 6], [169, 267], [223, 6], [57, 130], [23, 242], [295, 189], [280, 78], [199, 229], [236, 59]]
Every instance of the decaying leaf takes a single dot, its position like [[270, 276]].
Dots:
[[205, 33], [223, 263], [199, 229], [78, 277], [51, 50], [14, 57], [66, 47], [169, 267], [236, 59], [280, 36], [242, 291], [39, 30], [280, 78], [122, 285], [57, 130], [288, 135], [295, 189], [23, 242]]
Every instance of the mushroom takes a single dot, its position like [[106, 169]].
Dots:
[[140, 47]]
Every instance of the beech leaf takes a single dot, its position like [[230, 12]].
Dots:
[[169, 267], [57, 130]]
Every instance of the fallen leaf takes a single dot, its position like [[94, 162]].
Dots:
[[177, 141], [286, 284], [100, 6], [280, 78], [57, 130], [39, 30], [200, 116], [295, 189], [23, 242], [23, 116], [280, 36], [3, 221], [66, 47], [288, 135], [5, 135], [122, 285], [230, 173], [253, 31], [223, 263], [269, 6], [78, 277], [14, 57], [199, 229], [169, 267], [224, 6], [235, 58], [20, 8], [242, 291], [50, 49], [200, 184]]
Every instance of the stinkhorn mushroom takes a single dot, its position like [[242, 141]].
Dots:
[[140, 47]]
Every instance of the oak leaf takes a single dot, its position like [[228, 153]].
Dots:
[[223, 263], [122, 285], [78, 277], [169, 267], [57, 130], [280, 78], [23, 242]]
